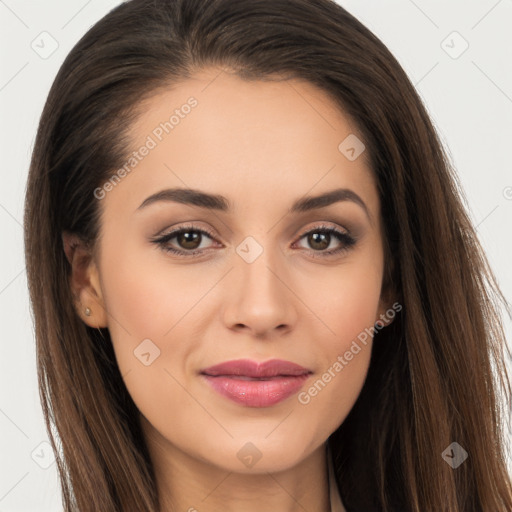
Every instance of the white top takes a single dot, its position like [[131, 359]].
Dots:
[[334, 495]]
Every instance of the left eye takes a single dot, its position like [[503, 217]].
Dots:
[[321, 238], [189, 240]]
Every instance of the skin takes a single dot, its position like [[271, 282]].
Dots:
[[262, 145]]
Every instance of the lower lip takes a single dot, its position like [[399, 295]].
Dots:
[[257, 393]]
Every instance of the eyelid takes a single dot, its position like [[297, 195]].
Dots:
[[346, 239], [169, 235], [343, 235]]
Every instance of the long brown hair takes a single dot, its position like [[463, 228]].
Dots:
[[436, 373]]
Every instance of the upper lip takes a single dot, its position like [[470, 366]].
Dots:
[[249, 368]]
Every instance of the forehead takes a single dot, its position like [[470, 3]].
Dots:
[[245, 139]]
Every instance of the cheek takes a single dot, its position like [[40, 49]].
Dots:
[[150, 310], [333, 390], [348, 306], [348, 300], [146, 296]]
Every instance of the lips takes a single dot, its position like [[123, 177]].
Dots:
[[255, 370], [254, 384]]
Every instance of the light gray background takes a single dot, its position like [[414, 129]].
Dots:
[[469, 98]]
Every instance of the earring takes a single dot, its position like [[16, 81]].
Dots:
[[87, 312]]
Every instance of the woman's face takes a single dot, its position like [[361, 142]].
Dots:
[[257, 276]]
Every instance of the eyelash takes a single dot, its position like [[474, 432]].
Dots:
[[346, 240]]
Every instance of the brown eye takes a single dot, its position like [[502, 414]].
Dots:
[[189, 239], [319, 240], [185, 241]]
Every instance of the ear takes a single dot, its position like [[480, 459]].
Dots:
[[84, 281]]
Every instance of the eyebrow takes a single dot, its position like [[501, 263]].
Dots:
[[220, 203]]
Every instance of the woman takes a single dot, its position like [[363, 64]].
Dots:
[[254, 283]]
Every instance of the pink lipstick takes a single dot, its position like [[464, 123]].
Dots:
[[256, 384]]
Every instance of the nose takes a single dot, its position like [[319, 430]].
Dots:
[[260, 297]]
